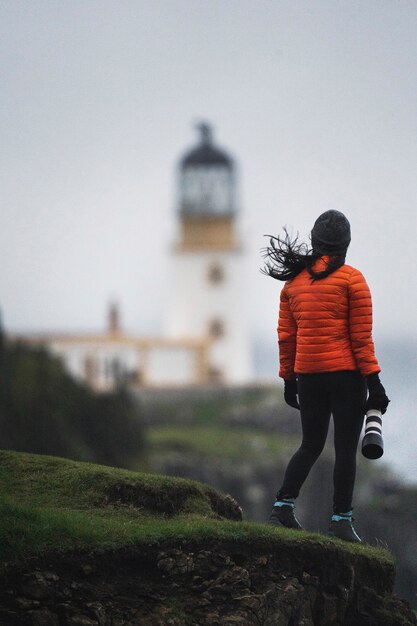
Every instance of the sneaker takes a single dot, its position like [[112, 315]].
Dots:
[[283, 515], [341, 528]]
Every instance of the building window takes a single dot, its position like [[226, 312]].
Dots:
[[215, 274], [216, 328], [135, 377], [90, 369], [215, 375]]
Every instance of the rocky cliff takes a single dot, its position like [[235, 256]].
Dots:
[[216, 583], [88, 545]]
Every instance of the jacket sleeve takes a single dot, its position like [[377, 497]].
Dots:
[[287, 337], [360, 324]]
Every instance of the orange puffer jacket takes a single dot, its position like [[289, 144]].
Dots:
[[326, 325]]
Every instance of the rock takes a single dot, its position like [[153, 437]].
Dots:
[[66, 592], [8, 617], [81, 620], [278, 618], [98, 611], [166, 564], [24, 603], [329, 611], [50, 576], [35, 586], [87, 569], [212, 619], [237, 619], [206, 562], [175, 563], [43, 618], [231, 581]]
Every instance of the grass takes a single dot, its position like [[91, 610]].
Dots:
[[52, 504], [212, 411], [214, 408], [210, 441]]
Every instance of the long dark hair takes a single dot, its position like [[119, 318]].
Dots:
[[286, 258]]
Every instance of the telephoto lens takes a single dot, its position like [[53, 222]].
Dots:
[[372, 443]]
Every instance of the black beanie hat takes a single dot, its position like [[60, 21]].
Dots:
[[331, 233]]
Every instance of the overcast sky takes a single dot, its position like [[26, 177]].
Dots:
[[317, 101]]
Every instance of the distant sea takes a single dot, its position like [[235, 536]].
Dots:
[[398, 360]]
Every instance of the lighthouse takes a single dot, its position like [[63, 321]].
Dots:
[[207, 295]]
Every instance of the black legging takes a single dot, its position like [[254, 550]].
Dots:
[[342, 394]]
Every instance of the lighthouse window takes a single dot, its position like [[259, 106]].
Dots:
[[216, 328], [215, 274]]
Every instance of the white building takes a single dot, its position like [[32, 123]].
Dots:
[[206, 338]]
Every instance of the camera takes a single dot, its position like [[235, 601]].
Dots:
[[372, 443]]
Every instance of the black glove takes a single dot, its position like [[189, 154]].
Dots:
[[290, 393], [377, 398]]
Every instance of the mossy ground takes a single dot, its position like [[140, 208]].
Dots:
[[211, 441], [52, 504], [209, 409]]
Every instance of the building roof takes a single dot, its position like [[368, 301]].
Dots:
[[205, 153]]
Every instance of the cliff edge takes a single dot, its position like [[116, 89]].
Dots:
[[88, 545]]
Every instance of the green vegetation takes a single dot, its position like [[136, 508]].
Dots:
[[212, 441], [215, 406], [44, 410], [52, 504], [212, 410]]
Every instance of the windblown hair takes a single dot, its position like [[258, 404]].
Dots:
[[286, 258]]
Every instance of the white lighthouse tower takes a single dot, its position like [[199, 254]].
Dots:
[[207, 286]]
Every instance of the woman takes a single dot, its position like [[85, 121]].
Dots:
[[327, 360]]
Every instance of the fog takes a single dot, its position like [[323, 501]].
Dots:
[[316, 101]]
